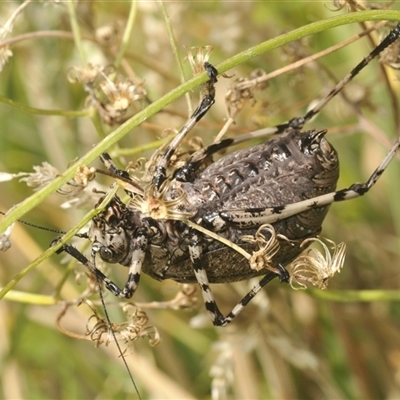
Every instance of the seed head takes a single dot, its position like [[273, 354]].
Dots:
[[197, 56], [316, 267]]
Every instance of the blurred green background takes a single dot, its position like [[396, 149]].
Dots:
[[288, 344]]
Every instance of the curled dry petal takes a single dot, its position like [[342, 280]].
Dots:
[[101, 332], [267, 241], [316, 267], [79, 182]]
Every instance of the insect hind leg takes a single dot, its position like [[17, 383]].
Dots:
[[283, 278], [217, 318], [208, 99], [298, 123]]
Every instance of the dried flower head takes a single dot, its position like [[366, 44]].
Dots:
[[120, 94], [99, 330], [109, 92], [77, 189], [267, 240], [163, 203], [197, 56], [316, 267], [46, 173], [87, 75], [43, 175], [79, 182], [108, 35]]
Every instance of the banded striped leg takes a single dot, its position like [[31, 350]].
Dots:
[[135, 267], [188, 171], [257, 216], [298, 123], [211, 306], [74, 252], [113, 169], [128, 184], [207, 101]]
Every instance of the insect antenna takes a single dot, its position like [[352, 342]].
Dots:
[[103, 304], [45, 228]]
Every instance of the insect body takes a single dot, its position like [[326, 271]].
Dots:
[[259, 177], [185, 224]]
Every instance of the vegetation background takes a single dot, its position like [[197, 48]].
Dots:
[[288, 344]]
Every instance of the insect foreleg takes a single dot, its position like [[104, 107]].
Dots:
[[137, 254], [74, 252], [135, 267], [122, 176]]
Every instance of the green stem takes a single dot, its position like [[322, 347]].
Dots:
[[142, 148], [30, 298], [41, 111], [175, 51], [127, 33], [76, 32], [347, 296]]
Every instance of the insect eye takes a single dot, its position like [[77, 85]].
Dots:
[[113, 220], [106, 254]]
